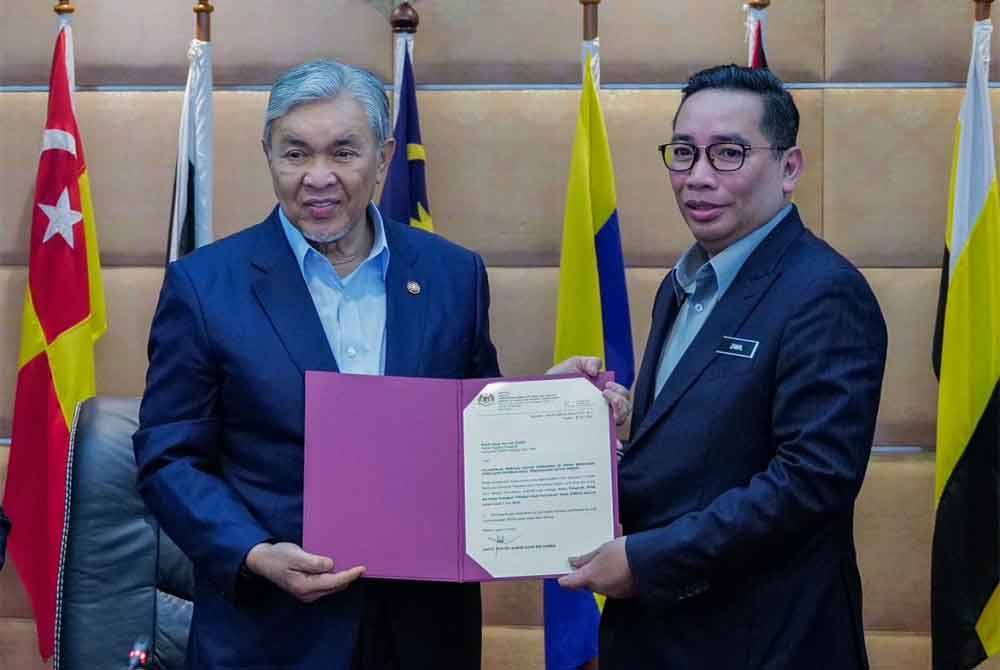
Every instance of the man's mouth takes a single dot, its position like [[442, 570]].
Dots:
[[321, 208], [702, 211]]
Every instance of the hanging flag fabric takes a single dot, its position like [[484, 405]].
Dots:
[[191, 209], [593, 314], [63, 317], [965, 600], [756, 37], [404, 197], [593, 320]]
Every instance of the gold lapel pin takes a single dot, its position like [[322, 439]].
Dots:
[[413, 287]]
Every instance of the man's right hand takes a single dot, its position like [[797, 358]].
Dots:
[[306, 576]]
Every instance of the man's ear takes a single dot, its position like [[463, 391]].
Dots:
[[792, 167], [385, 157], [267, 150]]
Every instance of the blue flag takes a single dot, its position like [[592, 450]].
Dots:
[[404, 197]]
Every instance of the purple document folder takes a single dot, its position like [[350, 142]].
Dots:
[[384, 472]]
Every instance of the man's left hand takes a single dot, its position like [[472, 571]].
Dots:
[[617, 395], [604, 570]]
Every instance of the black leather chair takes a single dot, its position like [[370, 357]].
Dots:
[[121, 578]]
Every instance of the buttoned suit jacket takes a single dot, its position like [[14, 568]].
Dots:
[[739, 481], [220, 442]]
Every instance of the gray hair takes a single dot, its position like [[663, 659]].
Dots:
[[325, 80]]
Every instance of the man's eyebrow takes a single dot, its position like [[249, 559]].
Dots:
[[347, 140], [735, 138], [291, 140], [732, 137]]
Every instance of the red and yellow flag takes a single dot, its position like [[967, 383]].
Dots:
[[63, 317]]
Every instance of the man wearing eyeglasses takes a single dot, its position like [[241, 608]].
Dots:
[[754, 415]]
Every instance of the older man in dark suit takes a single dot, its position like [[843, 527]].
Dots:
[[324, 283]]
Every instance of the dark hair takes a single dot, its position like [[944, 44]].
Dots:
[[780, 122]]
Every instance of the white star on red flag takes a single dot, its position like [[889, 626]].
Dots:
[[62, 218]]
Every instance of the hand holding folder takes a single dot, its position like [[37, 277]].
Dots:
[[457, 480]]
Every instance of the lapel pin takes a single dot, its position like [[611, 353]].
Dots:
[[413, 287]]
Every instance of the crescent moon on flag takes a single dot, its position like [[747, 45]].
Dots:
[[58, 139]]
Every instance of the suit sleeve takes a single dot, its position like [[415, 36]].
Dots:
[[178, 444], [827, 385], [484, 356]]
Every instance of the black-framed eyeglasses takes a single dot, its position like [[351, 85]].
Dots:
[[722, 156]]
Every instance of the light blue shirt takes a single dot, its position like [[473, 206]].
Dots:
[[699, 284], [352, 308]]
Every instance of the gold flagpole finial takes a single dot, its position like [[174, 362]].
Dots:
[[590, 18], [64, 7], [983, 9], [203, 20], [404, 19], [759, 4]]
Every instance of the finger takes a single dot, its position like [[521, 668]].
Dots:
[[580, 561], [590, 365], [345, 577], [315, 586], [616, 388], [303, 561], [573, 581]]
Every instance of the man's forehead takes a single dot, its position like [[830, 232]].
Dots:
[[340, 117], [722, 112]]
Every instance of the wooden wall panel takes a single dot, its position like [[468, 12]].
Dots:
[[146, 43], [907, 414], [642, 41], [467, 42], [899, 40], [888, 158], [893, 527]]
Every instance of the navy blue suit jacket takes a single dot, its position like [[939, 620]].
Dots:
[[738, 484], [220, 441]]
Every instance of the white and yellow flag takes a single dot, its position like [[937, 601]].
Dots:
[[966, 562]]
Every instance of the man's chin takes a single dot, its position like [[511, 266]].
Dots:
[[324, 234]]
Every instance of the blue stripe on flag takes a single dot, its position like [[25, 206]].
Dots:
[[571, 621], [614, 302]]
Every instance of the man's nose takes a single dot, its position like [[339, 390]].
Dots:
[[319, 174], [701, 173]]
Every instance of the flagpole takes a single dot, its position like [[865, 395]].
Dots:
[[203, 20], [756, 37], [983, 8], [590, 18], [64, 10], [591, 43], [404, 22]]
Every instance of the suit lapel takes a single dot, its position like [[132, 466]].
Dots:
[[664, 312], [283, 295], [744, 294], [407, 291]]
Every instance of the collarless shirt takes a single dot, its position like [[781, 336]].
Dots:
[[699, 283], [352, 309]]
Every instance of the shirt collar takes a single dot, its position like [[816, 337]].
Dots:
[[301, 249], [726, 264]]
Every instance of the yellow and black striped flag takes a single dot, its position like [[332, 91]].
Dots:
[[965, 600]]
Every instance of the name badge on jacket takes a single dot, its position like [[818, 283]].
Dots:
[[737, 346]]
